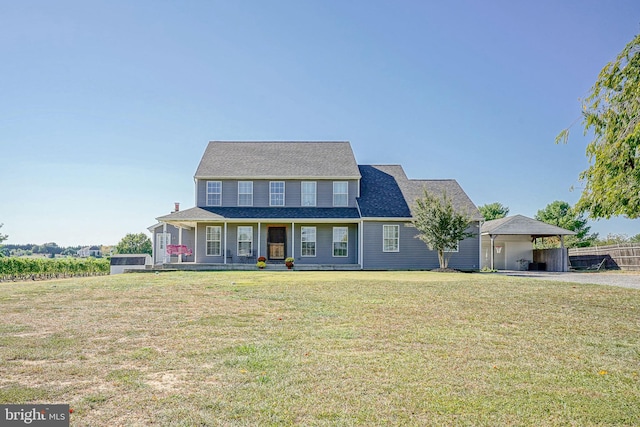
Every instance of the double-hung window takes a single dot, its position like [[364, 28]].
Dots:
[[276, 193], [308, 192], [214, 240], [340, 241], [340, 193], [245, 240], [308, 240], [453, 248], [214, 193], [245, 193], [390, 238]]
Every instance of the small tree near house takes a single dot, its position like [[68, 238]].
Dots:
[[439, 225]]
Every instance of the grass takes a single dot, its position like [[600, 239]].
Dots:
[[323, 348]]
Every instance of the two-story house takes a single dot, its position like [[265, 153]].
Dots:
[[306, 200]]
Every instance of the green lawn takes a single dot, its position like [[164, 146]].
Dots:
[[323, 348]]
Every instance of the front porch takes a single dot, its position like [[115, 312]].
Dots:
[[189, 266]]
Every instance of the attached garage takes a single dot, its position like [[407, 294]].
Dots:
[[507, 244]]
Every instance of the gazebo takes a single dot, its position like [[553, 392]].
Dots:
[[507, 244]]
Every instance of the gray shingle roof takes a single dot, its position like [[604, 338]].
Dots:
[[221, 213], [522, 225], [256, 160], [380, 195]]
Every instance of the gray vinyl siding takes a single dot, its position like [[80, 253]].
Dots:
[[413, 252], [292, 197], [324, 245]]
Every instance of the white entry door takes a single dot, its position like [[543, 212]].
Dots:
[[162, 240]]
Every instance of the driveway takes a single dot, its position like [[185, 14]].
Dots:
[[622, 279]]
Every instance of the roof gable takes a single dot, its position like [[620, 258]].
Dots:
[[264, 160]]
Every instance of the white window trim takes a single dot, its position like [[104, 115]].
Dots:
[[244, 182], [244, 241], [397, 227], [453, 250], [315, 240], [207, 240], [335, 193], [208, 193], [283, 193], [333, 242], [315, 193]]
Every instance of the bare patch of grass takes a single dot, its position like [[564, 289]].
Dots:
[[323, 348]]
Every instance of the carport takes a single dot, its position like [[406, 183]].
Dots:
[[507, 244]]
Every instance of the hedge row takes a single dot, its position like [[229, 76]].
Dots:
[[13, 268]]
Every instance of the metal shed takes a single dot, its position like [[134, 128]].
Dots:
[[120, 263]]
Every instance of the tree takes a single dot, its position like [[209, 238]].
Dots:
[[3, 237], [493, 210], [561, 214], [612, 112], [439, 225], [134, 244]]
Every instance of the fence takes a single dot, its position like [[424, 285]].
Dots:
[[624, 256]]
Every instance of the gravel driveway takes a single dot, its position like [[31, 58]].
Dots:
[[625, 280]]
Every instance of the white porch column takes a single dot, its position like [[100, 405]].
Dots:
[[493, 238], [565, 266], [180, 243], [360, 244], [258, 252], [164, 242], [195, 244], [224, 250], [293, 239]]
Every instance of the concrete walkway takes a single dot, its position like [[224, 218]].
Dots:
[[622, 279]]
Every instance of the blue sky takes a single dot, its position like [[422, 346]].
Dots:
[[107, 107]]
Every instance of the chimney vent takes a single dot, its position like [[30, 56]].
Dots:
[[177, 206]]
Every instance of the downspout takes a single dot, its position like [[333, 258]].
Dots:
[[180, 243]]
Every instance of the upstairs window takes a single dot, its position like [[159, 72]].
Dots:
[[214, 193], [245, 193], [340, 193], [276, 193], [308, 192], [390, 238]]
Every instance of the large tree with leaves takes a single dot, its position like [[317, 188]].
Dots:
[[612, 112], [134, 244], [493, 210], [561, 214], [439, 225]]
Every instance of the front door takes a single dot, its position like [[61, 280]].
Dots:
[[276, 241], [162, 240]]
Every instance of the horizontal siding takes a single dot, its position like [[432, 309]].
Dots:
[[324, 196], [413, 253], [324, 243]]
